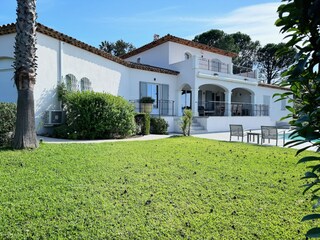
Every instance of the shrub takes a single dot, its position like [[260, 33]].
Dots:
[[93, 115], [61, 131], [158, 126], [142, 123], [7, 122]]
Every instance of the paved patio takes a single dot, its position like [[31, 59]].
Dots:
[[220, 136], [225, 136], [137, 138]]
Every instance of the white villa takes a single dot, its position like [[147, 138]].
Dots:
[[176, 72]]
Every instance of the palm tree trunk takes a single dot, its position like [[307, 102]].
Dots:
[[25, 74]]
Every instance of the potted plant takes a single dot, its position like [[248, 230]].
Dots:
[[146, 104]]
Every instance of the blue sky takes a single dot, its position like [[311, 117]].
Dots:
[[137, 21]]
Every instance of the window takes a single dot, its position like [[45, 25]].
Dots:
[[187, 56], [216, 65], [138, 60], [159, 92], [71, 83], [85, 84]]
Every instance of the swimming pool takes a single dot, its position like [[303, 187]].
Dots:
[[285, 137]]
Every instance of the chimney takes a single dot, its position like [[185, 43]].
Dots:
[[156, 37]]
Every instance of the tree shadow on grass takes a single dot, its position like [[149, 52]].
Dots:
[[176, 136], [5, 149]]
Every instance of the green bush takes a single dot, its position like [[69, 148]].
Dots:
[[142, 123], [93, 115], [158, 126], [7, 122], [61, 131]]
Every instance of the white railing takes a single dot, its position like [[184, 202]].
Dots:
[[221, 67], [213, 65], [244, 72], [220, 108]]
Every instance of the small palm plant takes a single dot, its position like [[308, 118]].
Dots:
[[186, 121]]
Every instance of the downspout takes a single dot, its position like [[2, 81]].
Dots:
[[60, 69], [60, 63]]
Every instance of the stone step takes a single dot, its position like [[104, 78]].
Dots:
[[196, 127], [199, 127]]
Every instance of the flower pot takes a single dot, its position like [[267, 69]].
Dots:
[[146, 107]]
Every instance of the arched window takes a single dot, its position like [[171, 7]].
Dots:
[[85, 84], [71, 83], [138, 60], [187, 55]]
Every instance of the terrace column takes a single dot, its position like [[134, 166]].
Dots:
[[178, 104], [253, 104], [228, 103], [194, 102]]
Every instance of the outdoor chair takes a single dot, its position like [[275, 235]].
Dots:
[[269, 133], [234, 109], [239, 110], [201, 110], [236, 131]]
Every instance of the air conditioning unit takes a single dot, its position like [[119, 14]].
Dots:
[[54, 117]]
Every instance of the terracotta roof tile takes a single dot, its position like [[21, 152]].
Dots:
[[273, 86], [170, 38], [7, 29], [10, 28]]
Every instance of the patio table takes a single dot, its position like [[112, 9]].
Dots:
[[253, 135]]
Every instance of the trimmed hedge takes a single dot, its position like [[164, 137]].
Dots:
[[7, 122], [92, 115], [142, 123], [158, 126]]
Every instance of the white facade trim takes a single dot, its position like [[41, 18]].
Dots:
[[227, 79]]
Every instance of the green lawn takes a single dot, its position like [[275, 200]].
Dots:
[[174, 188]]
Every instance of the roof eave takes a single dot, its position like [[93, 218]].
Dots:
[[178, 40], [11, 28]]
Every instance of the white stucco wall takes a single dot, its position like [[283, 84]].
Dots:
[[105, 75], [157, 56], [56, 59], [169, 53], [221, 124], [47, 77], [177, 53]]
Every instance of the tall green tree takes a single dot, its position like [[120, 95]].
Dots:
[[238, 42], [300, 19], [217, 38], [247, 49], [25, 74], [271, 65], [117, 48]]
